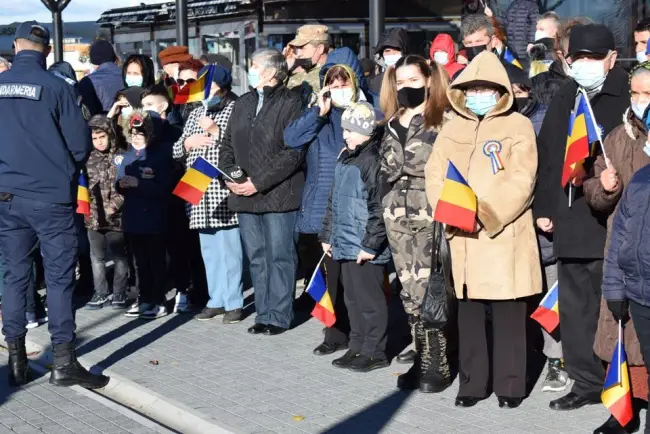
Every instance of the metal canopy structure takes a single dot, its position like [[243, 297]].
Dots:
[[57, 7]]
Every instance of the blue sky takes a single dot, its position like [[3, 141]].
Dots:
[[77, 10]]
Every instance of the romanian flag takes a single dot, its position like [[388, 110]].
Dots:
[[548, 312], [457, 204], [196, 180], [83, 196], [617, 395], [197, 91], [582, 134], [324, 309], [510, 58]]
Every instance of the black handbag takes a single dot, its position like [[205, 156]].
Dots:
[[435, 311]]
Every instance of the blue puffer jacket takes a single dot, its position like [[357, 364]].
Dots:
[[324, 137], [627, 262], [354, 219], [520, 21], [98, 89]]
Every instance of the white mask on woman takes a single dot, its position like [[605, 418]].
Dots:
[[342, 97]]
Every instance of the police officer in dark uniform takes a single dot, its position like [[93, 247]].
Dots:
[[44, 141]]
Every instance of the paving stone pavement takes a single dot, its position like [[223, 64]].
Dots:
[[41, 408], [263, 385]]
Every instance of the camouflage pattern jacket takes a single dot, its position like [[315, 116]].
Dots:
[[101, 170], [403, 168], [307, 84]]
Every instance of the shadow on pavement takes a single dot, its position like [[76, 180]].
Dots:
[[5, 390], [373, 418]]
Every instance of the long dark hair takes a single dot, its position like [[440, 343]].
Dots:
[[146, 66]]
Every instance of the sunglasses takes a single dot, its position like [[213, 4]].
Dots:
[[182, 82]]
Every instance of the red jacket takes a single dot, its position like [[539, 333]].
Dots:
[[444, 42]]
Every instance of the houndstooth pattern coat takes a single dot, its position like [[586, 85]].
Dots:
[[212, 212]]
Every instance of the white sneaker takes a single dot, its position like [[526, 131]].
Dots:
[[133, 311], [153, 311], [182, 303]]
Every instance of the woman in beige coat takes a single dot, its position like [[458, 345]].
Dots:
[[497, 266]]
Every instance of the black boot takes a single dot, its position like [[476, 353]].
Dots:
[[435, 372], [411, 379], [67, 371], [19, 373]]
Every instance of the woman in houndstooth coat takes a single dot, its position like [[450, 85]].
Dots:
[[218, 227]]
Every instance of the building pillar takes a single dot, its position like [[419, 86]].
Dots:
[[181, 23], [377, 18], [57, 7]]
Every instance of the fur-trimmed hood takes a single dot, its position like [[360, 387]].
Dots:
[[144, 118]]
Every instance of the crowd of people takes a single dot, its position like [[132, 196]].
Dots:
[[338, 163]]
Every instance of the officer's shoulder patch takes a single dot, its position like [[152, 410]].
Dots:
[[118, 160], [21, 90]]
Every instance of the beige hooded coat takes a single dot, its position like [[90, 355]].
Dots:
[[500, 261]]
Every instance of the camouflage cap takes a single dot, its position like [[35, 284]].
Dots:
[[310, 33]]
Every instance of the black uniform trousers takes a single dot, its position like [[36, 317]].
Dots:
[[367, 308], [508, 348], [149, 252], [339, 333], [579, 303]]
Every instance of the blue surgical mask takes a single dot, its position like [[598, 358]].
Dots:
[[641, 56], [589, 74], [639, 109], [391, 59], [212, 101], [254, 78], [133, 80], [481, 104]]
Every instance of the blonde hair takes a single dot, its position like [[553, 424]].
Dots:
[[436, 94]]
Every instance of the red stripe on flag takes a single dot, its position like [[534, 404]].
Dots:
[[323, 315], [622, 409], [546, 318], [575, 153], [83, 208], [456, 216], [188, 193]]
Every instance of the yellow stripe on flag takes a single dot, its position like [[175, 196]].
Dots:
[[458, 194], [197, 180]]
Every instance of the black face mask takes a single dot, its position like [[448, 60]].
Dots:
[[521, 103], [305, 64], [411, 97], [472, 52]]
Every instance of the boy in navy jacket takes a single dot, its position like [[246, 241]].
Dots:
[[354, 235], [144, 178]]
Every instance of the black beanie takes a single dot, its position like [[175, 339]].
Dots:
[[101, 51]]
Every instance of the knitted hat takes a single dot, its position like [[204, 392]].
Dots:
[[101, 51], [220, 75], [359, 118], [176, 54]]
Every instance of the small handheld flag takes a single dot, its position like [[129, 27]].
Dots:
[[548, 312], [324, 309], [617, 395], [196, 180], [196, 91], [457, 204], [83, 196], [509, 57]]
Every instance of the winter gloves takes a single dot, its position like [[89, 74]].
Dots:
[[619, 310]]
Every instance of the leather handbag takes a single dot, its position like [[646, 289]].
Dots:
[[435, 311]]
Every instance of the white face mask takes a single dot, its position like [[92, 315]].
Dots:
[[639, 109], [126, 111], [391, 59], [342, 97], [589, 74], [540, 34], [441, 58], [641, 56]]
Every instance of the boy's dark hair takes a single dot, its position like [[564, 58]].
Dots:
[[158, 90], [643, 25]]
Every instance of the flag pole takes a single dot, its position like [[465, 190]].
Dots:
[[618, 348], [598, 133], [570, 193], [315, 271]]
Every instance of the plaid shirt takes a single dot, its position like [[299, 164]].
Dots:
[[212, 212]]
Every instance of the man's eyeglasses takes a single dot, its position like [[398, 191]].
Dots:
[[182, 82]]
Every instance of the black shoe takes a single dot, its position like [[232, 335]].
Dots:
[[466, 401], [257, 329], [233, 316], [272, 330], [344, 362], [98, 301], [19, 372], [406, 358], [209, 313], [324, 349], [67, 371], [509, 402], [571, 401], [119, 301], [411, 379], [434, 364], [613, 427], [367, 364]]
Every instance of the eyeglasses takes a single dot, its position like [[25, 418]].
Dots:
[[182, 82], [477, 92]]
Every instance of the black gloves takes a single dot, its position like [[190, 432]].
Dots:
[[619, 310]]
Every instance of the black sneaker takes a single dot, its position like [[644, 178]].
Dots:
[[119, 301], [344, 362], [367, 364], [209, 313], [98, 301], [233, 316]]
